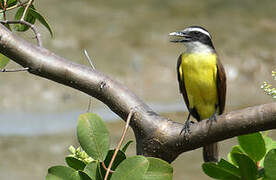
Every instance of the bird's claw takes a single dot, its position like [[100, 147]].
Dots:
[[186, 129], [212, 119]]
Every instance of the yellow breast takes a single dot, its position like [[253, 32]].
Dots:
[[199, 71]]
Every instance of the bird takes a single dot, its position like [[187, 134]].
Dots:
[[202, 80]]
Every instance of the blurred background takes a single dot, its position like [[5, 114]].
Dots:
[[128, 41]]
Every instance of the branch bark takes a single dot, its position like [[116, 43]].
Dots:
[[155, 135]]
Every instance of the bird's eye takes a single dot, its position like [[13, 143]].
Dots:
[[196, 32]]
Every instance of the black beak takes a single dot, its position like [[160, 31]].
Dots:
[[179, 37]]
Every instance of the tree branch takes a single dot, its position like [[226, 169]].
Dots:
[[155, 135]]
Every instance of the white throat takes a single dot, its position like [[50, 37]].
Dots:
[[197, 47]]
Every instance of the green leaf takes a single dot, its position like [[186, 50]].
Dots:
[[84, 176], [219, 171], [118, 159], [28, 17], [9, 3], [269, 144], [126, 146], [228, 166], [133, 168], [253, 145], [75, 163], [65, 173], [92, 170], [3, 61], [93, 136], [270, 164], [41, 19], [235, 149], [158, 170], [248, 168]]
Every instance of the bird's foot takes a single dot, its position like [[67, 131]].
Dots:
[[212, 119], [186, 128]]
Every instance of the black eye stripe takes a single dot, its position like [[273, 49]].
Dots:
[[195, 33]]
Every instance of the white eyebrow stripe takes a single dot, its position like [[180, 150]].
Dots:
[[199, 30]]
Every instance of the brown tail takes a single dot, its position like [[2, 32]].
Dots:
[[210, 152]]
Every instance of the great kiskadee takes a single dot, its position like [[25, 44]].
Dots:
[[202, 80]]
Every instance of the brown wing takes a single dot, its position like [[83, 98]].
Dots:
[[181, 82], [221, 86]]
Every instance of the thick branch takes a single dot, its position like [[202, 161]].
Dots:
[[155, 135]]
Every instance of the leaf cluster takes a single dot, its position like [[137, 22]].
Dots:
[[254, 158], [268, 88], [90, 163]]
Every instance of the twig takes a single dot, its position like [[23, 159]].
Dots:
[[14, 70], [4, 14], [30, 2], [4, 10], [37, 34], [119, 145], [89, 59], [111, 171], [93, 67], [89, 104], [1, 5], [14, 7]]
